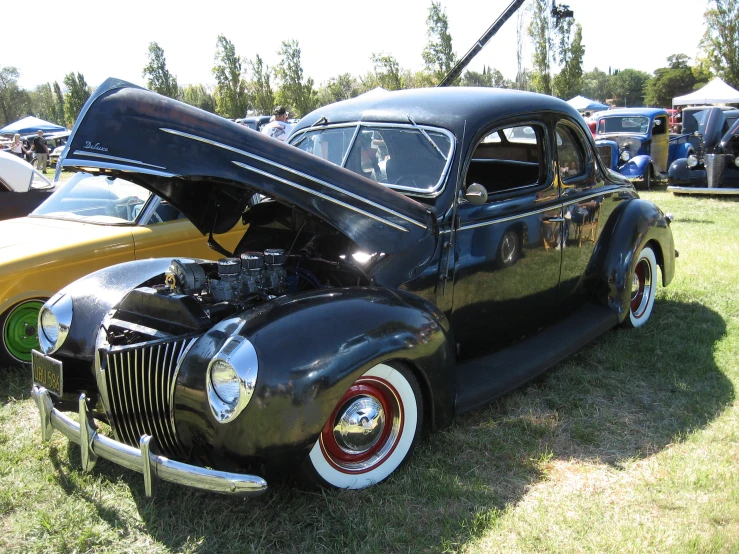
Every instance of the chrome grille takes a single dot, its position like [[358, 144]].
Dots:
[[139, 383], [605, 155]]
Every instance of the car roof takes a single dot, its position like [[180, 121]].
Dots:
[[452, 108], [621, 112]]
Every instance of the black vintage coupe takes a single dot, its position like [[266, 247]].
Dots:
[[410, 256]]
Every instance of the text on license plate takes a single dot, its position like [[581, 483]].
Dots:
[[47, 372]]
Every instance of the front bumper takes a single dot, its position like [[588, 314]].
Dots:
[[702, 190], [146, 460]]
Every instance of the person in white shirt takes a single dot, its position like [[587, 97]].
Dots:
[[278, 128]]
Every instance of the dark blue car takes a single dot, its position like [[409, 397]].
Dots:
[[410, 255], [636, 142]]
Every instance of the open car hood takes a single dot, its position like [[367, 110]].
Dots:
[[209, 168]]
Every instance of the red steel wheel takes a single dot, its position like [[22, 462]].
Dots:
[[372, 430], [643, 289]]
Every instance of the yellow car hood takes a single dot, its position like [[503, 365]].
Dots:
[[30, 242]]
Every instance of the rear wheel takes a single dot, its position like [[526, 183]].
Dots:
[[19, 333], [643, 289], [372, 430]]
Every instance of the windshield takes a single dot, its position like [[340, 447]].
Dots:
[[624, 124], [407, 158], [95, 199]]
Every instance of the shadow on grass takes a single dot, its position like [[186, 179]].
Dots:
[[628, 395]]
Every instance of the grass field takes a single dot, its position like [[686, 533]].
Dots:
[[631, 445]]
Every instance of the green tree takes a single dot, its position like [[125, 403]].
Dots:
[[674, 80], [260, 88], [42, 102], [59, 117], [541, 36], [200, 97], [568, 82], [341, 87], [14, 101], [296, 92], [77, 94], [438, 55], [720, 42], [230, 94], [387, 71], [628, 87], [490, 77], [596, 85], [158, 78]]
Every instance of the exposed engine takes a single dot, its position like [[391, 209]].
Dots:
[[191, 297]]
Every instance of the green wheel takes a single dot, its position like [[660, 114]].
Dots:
[[20, 332]]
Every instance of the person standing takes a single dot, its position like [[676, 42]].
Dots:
[[17, 148], [41, 148], [278, 128]]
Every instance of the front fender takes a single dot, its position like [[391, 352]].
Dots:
[[636, 167], [680, 174], [638, 223], [95, 294], [311, 348], [681, 150]]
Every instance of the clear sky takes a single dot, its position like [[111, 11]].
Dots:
[[103, 39]]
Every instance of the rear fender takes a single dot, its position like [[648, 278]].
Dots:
[[637, 224], [311, 348]]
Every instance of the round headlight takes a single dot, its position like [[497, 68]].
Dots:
[[692, 161], [225, 382], [625, 156], [54, 321], [49, 325], [232, 378], [736, 161]]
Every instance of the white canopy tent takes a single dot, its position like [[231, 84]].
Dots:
[[582, 104], [715, 92]]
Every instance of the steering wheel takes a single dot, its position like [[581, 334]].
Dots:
[[412, 179]]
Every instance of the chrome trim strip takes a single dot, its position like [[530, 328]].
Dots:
[[100, 165], [588, 197], [702, 190], [351, 145], [295, 172], [159, 467], [116, 158], [509, 218], [320, 195]]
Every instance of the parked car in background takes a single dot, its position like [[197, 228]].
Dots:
[[255, 122], [87, 224], [715, 169], [636, 142], [400, 269], [22, 188]]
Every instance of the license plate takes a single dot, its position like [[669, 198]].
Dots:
[[47, 372]]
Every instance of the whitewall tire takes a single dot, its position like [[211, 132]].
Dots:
[[643, 282], [371, 431]]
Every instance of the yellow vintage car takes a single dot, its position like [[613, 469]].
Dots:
[[91, 222]]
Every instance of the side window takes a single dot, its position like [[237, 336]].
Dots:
[[508, 158], [570, 154], [660, 126]]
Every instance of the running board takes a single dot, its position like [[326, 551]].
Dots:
[[481, 380]]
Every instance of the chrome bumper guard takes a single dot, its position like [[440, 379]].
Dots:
[[146, 460], [702, 190]]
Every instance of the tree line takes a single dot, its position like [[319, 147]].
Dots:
[[249, 85]]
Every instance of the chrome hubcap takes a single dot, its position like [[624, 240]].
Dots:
[[360, 425], [641, 288]]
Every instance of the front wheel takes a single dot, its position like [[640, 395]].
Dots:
[[372, 430], [643, 289], [19, 327]]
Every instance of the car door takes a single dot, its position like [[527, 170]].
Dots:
[[506, 251], [588, 201], [660, 143], [166, 233]]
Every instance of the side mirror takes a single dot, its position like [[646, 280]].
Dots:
[[476, 194]]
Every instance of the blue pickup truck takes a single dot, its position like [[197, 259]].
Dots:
[[636, 142]]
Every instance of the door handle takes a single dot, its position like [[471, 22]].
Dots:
[[554, 219]]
